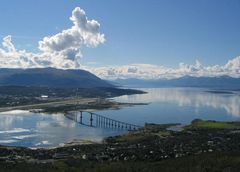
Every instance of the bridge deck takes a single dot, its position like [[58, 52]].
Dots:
[[95, 120]]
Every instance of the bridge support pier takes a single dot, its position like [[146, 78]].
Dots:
[[100, 121], [91, 119], [81, 117]]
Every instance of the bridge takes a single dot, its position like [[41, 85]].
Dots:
[[99, 121]]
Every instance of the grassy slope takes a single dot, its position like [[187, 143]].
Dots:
[[213, 124]]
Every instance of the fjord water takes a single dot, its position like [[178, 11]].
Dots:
[[178, 105], [27, 129], [164, 105]]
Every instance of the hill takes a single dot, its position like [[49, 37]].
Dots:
[[50, 77]]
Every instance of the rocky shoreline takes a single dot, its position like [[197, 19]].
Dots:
[[151, 143]]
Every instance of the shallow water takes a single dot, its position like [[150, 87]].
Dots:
[[166, 105], [23, 128]]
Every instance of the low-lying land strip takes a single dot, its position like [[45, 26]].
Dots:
[[69, 104], [60, 99]]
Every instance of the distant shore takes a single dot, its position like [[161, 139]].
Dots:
[[70, 104], [61, 99]]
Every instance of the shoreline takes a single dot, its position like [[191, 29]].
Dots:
[[151, 129], [72, 104], [152, 144]]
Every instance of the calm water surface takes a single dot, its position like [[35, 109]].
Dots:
[[181, 105], [166, 105]]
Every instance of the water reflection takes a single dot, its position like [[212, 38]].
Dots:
[[23, 128], [167, 105], [196, 98]]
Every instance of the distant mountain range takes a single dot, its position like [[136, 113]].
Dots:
[[186, 81], [50, 77]]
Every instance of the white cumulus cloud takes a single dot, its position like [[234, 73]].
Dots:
[[62, 50]]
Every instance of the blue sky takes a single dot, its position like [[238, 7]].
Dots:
[[160, 32]]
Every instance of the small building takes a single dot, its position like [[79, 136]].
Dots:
[[44, 97]]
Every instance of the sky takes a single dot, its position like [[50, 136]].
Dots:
[[146, 39]]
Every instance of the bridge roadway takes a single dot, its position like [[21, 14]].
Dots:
[[95, 120]]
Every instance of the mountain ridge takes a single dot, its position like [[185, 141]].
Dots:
[[50, 77], [185, 81]]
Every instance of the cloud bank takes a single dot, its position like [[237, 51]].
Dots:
[[149, 71], [62, 50]]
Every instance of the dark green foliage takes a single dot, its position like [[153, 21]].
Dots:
[[209, 162]]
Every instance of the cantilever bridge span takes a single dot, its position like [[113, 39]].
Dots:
[[99, 121]]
